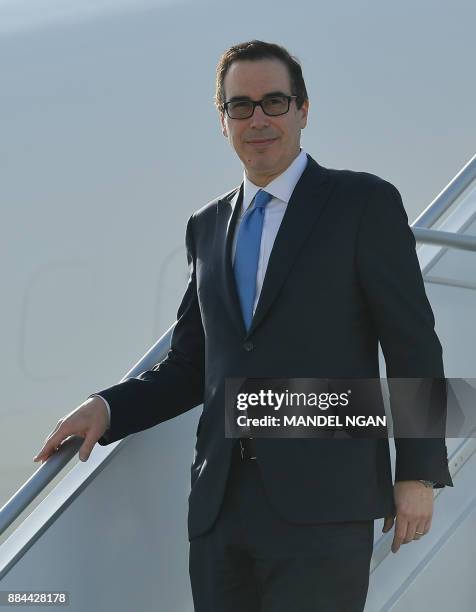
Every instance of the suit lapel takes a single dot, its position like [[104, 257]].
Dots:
[[303, 209], [227, 214]]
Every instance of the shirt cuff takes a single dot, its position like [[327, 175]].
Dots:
[[107, 406]]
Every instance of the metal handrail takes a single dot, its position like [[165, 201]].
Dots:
[[449, 239], [33, 487], [447, 196]]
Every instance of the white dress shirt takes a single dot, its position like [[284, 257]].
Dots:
[[281, 188]]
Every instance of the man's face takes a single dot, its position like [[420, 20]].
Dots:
[[266, 145]]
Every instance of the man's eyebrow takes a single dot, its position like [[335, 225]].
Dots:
[[266, 95]]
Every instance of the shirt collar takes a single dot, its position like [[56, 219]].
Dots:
[[281, 187]]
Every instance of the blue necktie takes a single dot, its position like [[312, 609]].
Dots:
[[245, 265]]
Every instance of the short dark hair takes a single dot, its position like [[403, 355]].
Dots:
[[257, 50]]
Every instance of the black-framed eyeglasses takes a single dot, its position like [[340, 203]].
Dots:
[[272, 106]]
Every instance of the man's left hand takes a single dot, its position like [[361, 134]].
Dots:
[[414, 507]]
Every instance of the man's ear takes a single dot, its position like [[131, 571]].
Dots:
[[223, 124], [304, 111]]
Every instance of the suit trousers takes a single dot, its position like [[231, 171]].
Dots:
[[252, 559]]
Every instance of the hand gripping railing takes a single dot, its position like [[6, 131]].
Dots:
[[58, 460]]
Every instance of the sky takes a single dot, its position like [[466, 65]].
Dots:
[[18, 15]]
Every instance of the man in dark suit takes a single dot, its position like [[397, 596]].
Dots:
[[297, 273]]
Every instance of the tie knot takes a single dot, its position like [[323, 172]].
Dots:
[[262, 198]]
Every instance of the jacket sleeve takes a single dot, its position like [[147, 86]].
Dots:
[[391, 279], [172, 386]]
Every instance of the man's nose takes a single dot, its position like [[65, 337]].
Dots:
[[259, 118]]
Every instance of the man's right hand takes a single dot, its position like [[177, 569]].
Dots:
[[89, 421]]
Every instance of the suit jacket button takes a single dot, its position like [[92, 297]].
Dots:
[[248, 346]]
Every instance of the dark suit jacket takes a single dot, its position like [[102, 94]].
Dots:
[[343, 275]]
